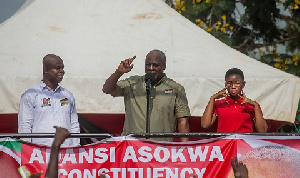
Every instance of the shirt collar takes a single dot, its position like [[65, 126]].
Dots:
[[44, 86], [161, 80], [231, 101]]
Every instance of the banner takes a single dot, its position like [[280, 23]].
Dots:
[[127, 157]]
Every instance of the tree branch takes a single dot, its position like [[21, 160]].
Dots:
[[211, 11], [289, 19], [244, 43], [255, 46], [243, 22]]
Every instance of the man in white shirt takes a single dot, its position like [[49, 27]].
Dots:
[[48, 104]]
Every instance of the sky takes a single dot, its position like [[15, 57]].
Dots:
[[8, 8]]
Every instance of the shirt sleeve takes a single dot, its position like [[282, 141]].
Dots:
[[215, 110], [181, 104], [121, 86], [25, 115], [253, 113], [74, 124], [120, 89]]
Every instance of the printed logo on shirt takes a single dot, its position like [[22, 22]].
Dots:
[[46, 102], [64, 102], [168, 91]]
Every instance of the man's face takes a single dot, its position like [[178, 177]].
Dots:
[[236, 84], [156, 65], [55, 70]]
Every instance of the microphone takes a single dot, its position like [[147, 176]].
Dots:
[[149, 78]]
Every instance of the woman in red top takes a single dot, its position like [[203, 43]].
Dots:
[[234, 111]]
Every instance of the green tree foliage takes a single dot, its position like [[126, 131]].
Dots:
[[254, 27]]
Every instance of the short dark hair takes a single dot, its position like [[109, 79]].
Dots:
[[235, 71], [162, 55]]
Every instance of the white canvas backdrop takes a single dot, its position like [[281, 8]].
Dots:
[[93, 36]]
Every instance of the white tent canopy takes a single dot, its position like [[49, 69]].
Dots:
[[93, 36]]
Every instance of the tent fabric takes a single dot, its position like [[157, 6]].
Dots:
[[93, 36]]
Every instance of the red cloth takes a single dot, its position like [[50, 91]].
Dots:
[[234, 117]]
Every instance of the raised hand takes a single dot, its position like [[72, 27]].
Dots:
[[221, 93], [102, 175], [240, 170], [126, 65], [36, 175], [246, 100], [60, 135]]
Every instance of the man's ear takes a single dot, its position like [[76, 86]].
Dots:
[[45, 69], [164, 66]]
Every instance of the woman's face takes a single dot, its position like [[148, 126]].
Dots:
[[235, 83]]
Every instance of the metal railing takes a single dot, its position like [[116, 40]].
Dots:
[[140, 135], [206, 134], [51, 135]]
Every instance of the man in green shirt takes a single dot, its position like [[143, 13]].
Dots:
[[168, 102]]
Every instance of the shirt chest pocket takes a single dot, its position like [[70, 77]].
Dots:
[[164, 101], [44, 104], [64, 105]]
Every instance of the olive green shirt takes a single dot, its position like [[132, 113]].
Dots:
[[167, 102]]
